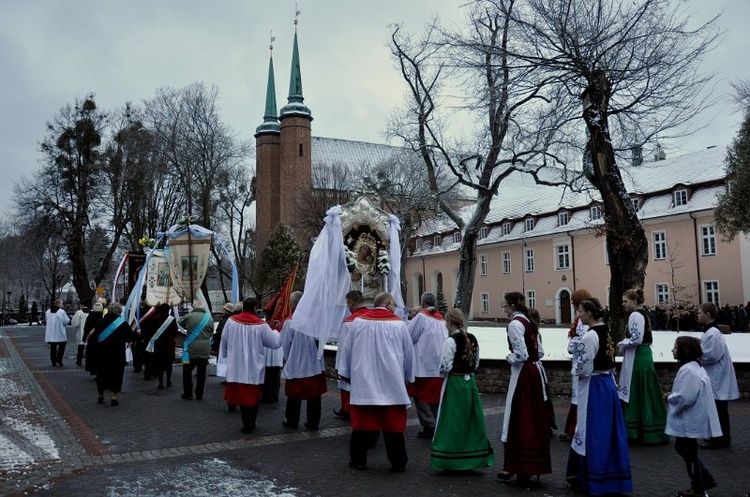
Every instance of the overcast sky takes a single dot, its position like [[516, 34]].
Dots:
[[52, 51]]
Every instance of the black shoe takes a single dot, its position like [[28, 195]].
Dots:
[[199, 397], [160, 387], [289, 425], [60, 364], [341, 414], [358, 467], [398, 469], [114, 402], [169, 383], [79, 364], [100, 400], [246, 429], [715, 445], [426, 434], [505, 476], [186, 397]]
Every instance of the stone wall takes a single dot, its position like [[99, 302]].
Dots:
[[493, 375]]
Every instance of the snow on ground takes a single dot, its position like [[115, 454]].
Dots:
[[209, 478], [24, 442]]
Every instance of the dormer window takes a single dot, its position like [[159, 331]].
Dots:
[[596, 213], [562, 218], [680, 197], [528, 224], [506, 228], [437, 241], [636, 203], [457, 237], [484, 231], [419, 244]]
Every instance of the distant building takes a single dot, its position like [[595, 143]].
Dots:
[[544, 241]]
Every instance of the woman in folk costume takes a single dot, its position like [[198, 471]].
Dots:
[[111, 336], [692, 413], [161, 328], [599, 462], [526, 430], [577, 329], [639, 389], [460, 442], [718, 364]]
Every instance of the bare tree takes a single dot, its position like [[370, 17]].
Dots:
[[332, 185], [501, 95], [635, 68]]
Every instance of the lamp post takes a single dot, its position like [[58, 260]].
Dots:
[[10, 305]]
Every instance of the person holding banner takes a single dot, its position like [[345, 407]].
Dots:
[[161, 328], [109, 338], [196, 349]]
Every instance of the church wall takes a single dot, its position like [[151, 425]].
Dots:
[[267, 186], [296, 167]]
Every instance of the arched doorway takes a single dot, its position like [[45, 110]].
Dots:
[[563, 309]]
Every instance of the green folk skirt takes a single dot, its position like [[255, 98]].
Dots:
[[460, 441], [646, 413]]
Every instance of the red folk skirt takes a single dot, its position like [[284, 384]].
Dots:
[[242, 394], [308, 388], [377, 418]]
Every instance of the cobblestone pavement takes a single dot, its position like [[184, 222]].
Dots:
[[157, 444]]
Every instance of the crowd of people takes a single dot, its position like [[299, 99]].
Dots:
[[384, 361]]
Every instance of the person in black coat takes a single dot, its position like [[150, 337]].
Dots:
[[93, 319], [109, 340]]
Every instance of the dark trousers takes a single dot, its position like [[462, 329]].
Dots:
[[249, 414], [57, 352], [395, 447], [722, 408], [271, 385], [700, 478], [79, 355], [200, 380], [160, 374], [293, 408]]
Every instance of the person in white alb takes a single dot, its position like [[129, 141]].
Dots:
[[378, 360], [77, 323], [56, 319], [428, 334]]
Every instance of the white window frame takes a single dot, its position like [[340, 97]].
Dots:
[[661, 293], [419, 244], [484, 302], [531, 299], [484, 231], [562, 250], [528, 225], [506, 262], [562, 218], [596, 213], [506, 228], [437, 241], [659, 239], [711, 292], [457, 237], [708, 240], [529, 260], [680, 197], [484, 265]]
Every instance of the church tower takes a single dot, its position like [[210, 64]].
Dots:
[[283, 156]]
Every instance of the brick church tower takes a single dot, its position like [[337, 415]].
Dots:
[[282, 154]]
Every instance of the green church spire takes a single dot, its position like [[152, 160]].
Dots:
[[295, 105], [270, 116]]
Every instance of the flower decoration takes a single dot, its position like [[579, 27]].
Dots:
[[384, 264], [351, 259], [147, 242]]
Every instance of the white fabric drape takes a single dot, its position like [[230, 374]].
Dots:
[[394, 254]]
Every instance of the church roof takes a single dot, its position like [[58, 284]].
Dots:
[[353, 154]]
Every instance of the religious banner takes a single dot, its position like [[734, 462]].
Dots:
[[159, 288], [188, 250]]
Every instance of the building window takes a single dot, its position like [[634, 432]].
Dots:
[[457, 237], [528, 225], [437, 241], [662, 293], [562, 219], [506, 229], [660, 245], [485, 301], [484, 265], [635, 203], [483, 232], [680, 197], [506, 262], [596, 213], [711, 292], [529, 260], [419, 244], [708, 240], [562, 259], [300, 150], [531, 299]]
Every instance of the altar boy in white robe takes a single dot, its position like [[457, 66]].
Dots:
[[377, 360], [242, 349]]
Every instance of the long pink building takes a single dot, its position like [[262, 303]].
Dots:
[[544, 242]]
